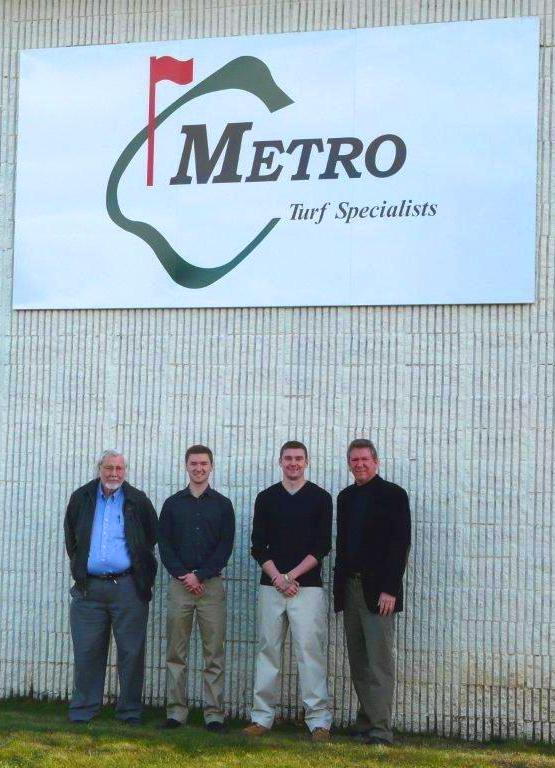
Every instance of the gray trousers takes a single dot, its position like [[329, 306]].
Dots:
[[371, 658], [107, 606]]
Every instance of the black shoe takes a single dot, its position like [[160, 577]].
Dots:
[[357, 733], [216, 727], [133, 721], [375, 741], [169, 724]]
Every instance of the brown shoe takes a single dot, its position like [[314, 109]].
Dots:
[[254, 729], [320, 734]]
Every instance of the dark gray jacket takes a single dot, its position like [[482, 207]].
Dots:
[[140, 523]]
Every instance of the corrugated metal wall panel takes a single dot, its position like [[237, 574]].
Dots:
[[459, 400]]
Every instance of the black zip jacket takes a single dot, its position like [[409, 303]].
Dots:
[[140, 523]]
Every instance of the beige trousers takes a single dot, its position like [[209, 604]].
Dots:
[[210, 609], [306, 615]]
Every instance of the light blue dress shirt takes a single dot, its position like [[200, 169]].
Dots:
[[108, 552]]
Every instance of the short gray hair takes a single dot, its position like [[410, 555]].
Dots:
[[361, 442], [108, 454]]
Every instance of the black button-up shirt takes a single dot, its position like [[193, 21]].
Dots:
[[196, 534]]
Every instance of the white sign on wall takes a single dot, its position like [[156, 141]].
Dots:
[[369, 166]]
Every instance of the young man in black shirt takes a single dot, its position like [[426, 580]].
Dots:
[[291, 535], [196, 531]]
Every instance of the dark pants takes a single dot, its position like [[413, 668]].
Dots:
[[370, 640], [107, 605]]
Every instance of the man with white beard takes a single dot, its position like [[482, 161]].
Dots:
[[110, 533]]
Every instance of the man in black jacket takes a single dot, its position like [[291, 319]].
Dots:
[[373, 542], [110, 533]]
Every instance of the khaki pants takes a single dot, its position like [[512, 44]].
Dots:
[[372, 661], [306, 615], [210, 608]]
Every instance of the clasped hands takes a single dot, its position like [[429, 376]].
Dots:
[[192, 584], [284, 584]]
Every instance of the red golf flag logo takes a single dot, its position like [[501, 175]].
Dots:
[[245, 73], [162, 68]]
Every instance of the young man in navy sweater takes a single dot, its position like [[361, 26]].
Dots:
[[291, 535]]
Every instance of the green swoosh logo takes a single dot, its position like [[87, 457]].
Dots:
[[245, 73]]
